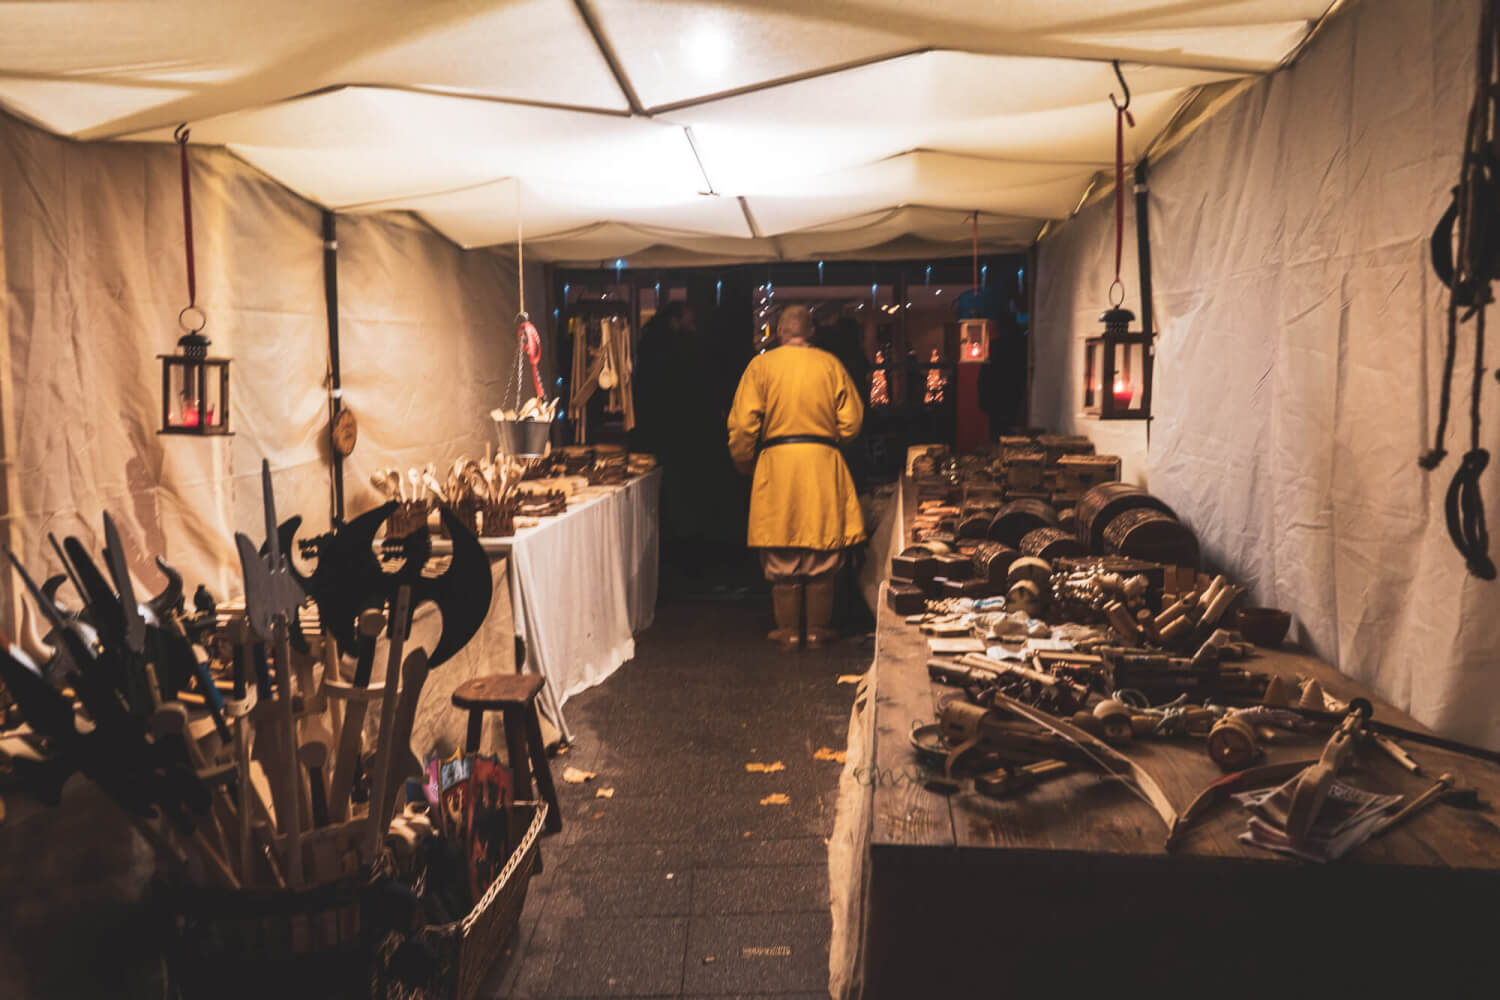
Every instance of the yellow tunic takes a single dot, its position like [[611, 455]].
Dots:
[[802, 495]]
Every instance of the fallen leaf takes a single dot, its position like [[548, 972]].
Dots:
[[829, 753], [757, 768], [574, 776], [605, 793], [775, 799], [597, 816], [562, 748], [708, 959], [851, 678]]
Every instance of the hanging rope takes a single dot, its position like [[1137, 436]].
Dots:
[[526, 331], [976, 257], [1122, 117], [1466, 257], [181, 135]]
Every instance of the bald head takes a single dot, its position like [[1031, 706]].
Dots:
[[795, 325]]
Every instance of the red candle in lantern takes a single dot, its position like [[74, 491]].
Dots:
[[189, 415], [1123, 394]]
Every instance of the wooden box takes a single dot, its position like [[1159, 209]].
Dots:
[[969, 588], [905, 599], [1024, 472], [955, 567], [914, 564], [1055, 446], [1078, 473]]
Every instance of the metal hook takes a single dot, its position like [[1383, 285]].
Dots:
[[1123, 86], [181, 133]]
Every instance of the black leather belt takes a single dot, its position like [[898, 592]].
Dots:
[[798, 439]]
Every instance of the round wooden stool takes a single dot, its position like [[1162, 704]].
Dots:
[[514, 697]]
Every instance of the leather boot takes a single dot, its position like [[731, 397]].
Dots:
[[786, 601], [820, 611]]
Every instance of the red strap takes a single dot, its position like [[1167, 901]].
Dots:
[[531, 343], [187, 218], [1121, 117]]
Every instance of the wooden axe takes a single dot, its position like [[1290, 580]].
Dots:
[[352, 729]]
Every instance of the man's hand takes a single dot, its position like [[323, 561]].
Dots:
[[746, 468]]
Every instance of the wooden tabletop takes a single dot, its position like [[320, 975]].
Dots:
[[1085, 812]]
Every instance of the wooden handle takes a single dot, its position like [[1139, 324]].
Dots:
[[351, 732], [398, 750], [291, 813], [399, 621], [1420, 802], [314, 756]]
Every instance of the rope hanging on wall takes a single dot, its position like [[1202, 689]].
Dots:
[[1466, 257]]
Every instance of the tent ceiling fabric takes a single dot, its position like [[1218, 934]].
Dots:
[[738, 130]]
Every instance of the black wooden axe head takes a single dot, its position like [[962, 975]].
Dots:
[[461, 592], [348, 579], [170, 600]]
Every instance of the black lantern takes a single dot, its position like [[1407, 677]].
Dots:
[[1117, 370], [194, 388]]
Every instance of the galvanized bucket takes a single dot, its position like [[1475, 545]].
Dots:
[[524, 437]]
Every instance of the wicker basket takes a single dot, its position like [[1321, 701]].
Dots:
[[467, 948], [227, 944]]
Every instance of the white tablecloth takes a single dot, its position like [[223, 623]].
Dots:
[[582, 584]]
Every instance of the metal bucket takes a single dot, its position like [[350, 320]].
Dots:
[[524, 437]]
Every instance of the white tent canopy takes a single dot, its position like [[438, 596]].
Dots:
[[738, 130]]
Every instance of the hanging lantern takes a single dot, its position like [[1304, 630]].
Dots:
[[194, 388], [1117, 370], [974, 337]]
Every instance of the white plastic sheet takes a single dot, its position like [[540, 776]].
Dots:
[[1301, 339], [640, 125]]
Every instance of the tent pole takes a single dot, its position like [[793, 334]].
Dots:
[[335, 378]]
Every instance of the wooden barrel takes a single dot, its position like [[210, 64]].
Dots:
[[975, 520], [1103, 504], [1051, 543], [1018, 517], [1146, 533], [992, 561], [1033, 568]]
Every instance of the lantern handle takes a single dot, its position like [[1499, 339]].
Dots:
[[1119, 285], [183, 320], [1123, 85]]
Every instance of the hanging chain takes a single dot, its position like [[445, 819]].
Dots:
[[1122, 117], [181, 136]]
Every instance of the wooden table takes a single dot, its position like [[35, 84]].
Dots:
[[1070, 882]]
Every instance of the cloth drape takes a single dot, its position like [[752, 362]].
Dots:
[[582, 585]]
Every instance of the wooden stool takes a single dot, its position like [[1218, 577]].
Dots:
[[514, 697]]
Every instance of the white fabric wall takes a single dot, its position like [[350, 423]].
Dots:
[[91, 284], [1300, 340]]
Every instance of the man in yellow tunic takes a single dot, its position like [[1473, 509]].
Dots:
[[794, 406]]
